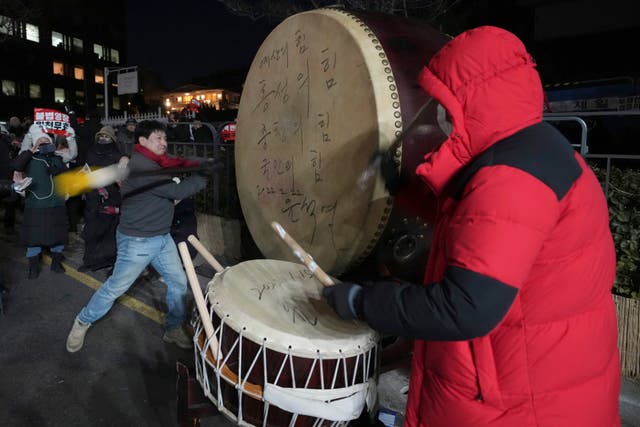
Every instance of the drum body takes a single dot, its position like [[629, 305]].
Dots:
[[280, 356], [326, 92]]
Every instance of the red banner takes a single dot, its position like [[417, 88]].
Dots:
[[52, 121]]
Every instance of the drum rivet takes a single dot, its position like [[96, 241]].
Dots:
[[396, 114], [378, 47], [382, 55], [375, 41], [392, 87], [385, 62], [396, 104], [398, 133], [398, 124], [387, 70], [394, 95], [390, 79]]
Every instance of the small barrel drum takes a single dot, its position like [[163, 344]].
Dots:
[[279, 355], [326, 92]]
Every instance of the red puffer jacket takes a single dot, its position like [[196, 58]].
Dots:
[[517, 322]]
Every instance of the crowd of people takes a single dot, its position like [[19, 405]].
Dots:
[[108, 215]]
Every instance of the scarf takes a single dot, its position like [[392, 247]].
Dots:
[[165, 161]]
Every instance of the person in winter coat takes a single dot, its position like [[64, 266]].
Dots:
[[45, 215], [101, 207], [125, 137], [514, 323], [143, 235]]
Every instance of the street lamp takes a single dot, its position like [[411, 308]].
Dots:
[[108, 70]]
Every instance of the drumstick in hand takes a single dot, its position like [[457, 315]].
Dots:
[[198, 297], [303, 256]]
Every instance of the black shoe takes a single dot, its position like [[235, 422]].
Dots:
[[56, 262], [34, 267]]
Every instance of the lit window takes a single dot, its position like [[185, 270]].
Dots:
[[179, 99], [99, 100], [78, 46], [99, 76], [8, 87], [58, 68], [115, 56], [33, 33], [58, 94], [116, 103], [35, 91], [57, 39], [80, 97], [97, 49], [6, 25], [78, 73]]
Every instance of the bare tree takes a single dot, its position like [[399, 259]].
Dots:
[[280, 9]]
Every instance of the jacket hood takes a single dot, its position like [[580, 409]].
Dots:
[[108, 131], [488, 84], [36, 133]]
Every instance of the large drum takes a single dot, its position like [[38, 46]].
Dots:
[[326, 91], [279, 355]]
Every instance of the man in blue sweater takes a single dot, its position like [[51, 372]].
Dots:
[[143, 236]]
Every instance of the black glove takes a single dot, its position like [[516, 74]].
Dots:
[[345, 298], [390, 172], [210, 167]]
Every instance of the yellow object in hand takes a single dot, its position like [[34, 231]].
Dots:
[[77, 181]]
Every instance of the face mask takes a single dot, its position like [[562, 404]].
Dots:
[[46, 148], [103, 140]]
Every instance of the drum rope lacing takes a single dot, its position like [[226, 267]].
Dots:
[[344, 404]]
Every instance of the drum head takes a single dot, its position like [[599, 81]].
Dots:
[[280, 303], [319, 101]]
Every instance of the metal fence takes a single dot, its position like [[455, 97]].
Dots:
[[623, 160], [220, 198]]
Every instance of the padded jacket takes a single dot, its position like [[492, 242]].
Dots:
[[515, 324]]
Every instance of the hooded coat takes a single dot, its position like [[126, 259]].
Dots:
[[516, 324], [44, 222]]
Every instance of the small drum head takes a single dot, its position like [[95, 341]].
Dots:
[[280, 303], [319, 101]]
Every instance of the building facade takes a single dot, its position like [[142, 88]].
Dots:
[[54, 53], [195, 97]]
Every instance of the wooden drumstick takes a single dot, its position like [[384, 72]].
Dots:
[[303, 256], [205, 253], [198, 297]]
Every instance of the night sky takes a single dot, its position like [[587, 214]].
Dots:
[[186, 38]]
